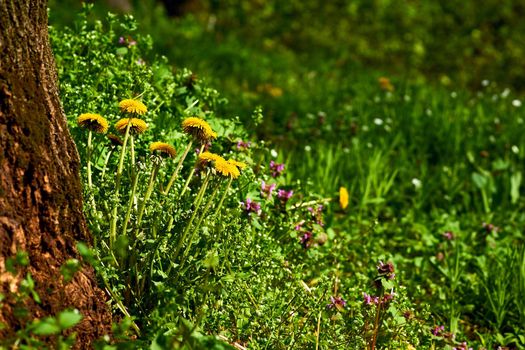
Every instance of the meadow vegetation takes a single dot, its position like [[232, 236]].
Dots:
[[319, 204]]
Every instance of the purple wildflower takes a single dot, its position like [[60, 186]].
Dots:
[[336, 302], [317, 214], [386, 270], [241, 145], [267, 189], [121, 40], [306, 239], [276, 168], [462, 346], [370, 299], [490, 227], [449, 235], [251, 207], [284, 195], [299, 225], [437, 330], [388, 297]]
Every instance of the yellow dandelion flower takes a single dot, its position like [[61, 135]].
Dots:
[[199, 129], [238, 164], [93, 122], [343, 197], [164, 148], [138, 126], [385, 84], [132, 106], [208, 157], [226, 169], [115, 140]]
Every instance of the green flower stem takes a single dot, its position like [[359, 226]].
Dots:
[[132, 153], [106, 161], [151, 184], [198, 201], [89, 153], [179, 166], [197, 226], [189, 177], [114, 214], [130, 204], [223, 196]]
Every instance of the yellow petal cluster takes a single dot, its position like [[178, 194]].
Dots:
[[343, 197], [137, 126], [238, 164], [93, 122], [199, 129], [225, 168], [132, 106], [164, 148], [207, 157]]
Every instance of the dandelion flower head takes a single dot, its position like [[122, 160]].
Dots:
[[199, 129], [93, 122], [343, 197], [225, 168], [238, 164], [163, 148], [132, 106], [208, 157], [115, 140], [137, 126]]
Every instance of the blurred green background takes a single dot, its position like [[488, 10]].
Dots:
[[298, 57]]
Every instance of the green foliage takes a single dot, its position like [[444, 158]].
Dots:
[[428, 171]]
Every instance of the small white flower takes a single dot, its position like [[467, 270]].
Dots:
[[505, 93], [416, 183], [515, 149], [378, 121], [273, 153], [516, 103], [307, 148], [485, 82], [453, 94]]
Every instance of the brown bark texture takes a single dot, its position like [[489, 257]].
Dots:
[[40, 190]]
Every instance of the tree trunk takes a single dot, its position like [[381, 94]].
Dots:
[[40, 191]]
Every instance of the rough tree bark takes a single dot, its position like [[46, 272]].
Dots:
[[40, 191]]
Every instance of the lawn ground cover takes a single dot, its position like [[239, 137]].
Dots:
[[368, 212]]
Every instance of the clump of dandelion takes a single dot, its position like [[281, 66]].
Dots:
[[343, 197], [94, 123], [133, 107], [200, 131]]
